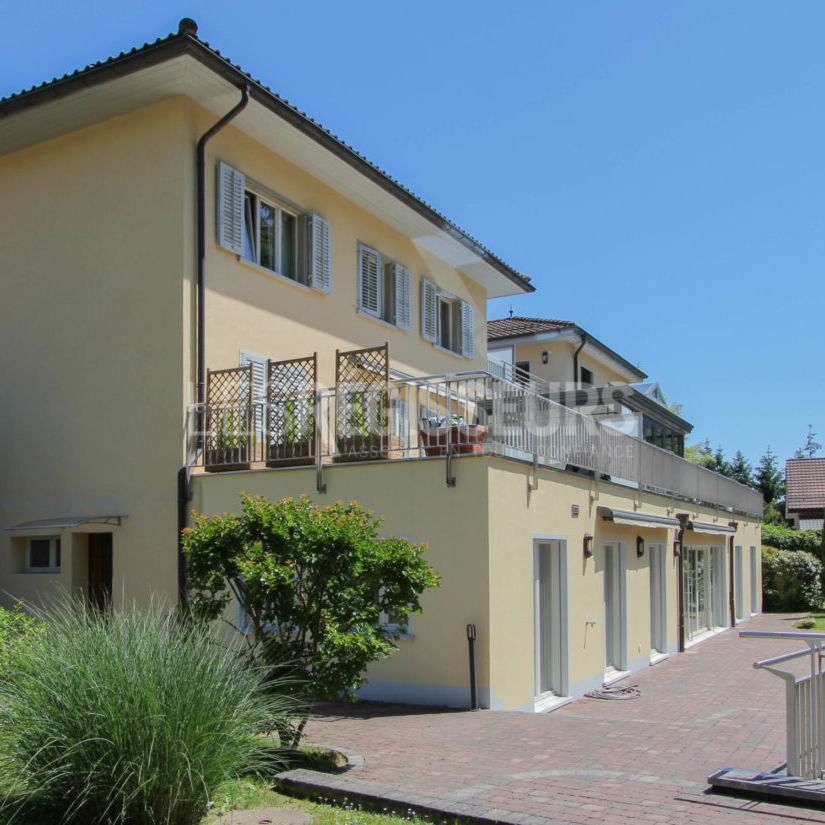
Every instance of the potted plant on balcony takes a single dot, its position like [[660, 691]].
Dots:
[[230, 448], [367, 432], [438, 434], [294, 445]]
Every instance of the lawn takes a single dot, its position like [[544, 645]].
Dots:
[[244, 794], [819, 619]]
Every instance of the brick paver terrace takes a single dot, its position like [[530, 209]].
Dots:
[[594, 761]]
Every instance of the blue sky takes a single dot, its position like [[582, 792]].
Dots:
[[656, 167]]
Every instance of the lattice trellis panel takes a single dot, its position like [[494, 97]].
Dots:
[[290, 417], [227, 423], [361, 409]]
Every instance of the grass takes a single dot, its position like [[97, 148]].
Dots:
[[244, 794], [819, 622]]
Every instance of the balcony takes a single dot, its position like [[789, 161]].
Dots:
[[441, 416]]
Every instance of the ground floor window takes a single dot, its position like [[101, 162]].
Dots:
[[43, 555]]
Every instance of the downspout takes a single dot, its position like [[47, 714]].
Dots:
[[680, 590], [576, 377], [731, 591], [184, 491]]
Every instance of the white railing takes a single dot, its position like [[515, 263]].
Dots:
[[804, 701], [516, 375], [459, 414]]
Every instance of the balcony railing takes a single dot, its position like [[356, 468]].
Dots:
[[447, 415]]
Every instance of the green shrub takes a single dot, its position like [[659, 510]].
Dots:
[[783, 538], [791, 580], [127, 719], [16, 627]]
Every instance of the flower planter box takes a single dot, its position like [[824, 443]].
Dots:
[[464, 439], [223, 459], [292, 454]]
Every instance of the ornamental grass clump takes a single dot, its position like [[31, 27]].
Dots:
[[128, 718]]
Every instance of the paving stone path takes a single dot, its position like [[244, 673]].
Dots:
[[592, 761]]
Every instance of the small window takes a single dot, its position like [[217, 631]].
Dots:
[[43, 555], [586, 376], [383, 287], [522, 372], [270, 236], [449, 323]]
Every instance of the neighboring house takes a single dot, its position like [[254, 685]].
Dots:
[[563, 362], [805, 492], [206, 293]]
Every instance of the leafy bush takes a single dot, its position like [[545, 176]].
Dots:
[[791, 579], [314, 583], [783, 538], [16, 627], [127, 719]]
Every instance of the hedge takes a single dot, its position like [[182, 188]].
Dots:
[[783, 538], [792, 580]]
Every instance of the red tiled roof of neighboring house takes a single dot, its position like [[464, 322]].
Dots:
[[805, 483], [522, 325]]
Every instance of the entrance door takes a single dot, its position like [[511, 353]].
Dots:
[[658, 599], [100, 570], [614, 608], [739, 582], [550, 604], [754, 602]]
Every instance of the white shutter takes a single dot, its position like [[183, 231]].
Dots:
[[429, 310], [231, 185], [400, 278], [319, 253], [467, 330], [369, 281], [259, 375]]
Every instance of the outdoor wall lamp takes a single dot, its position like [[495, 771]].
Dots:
[[676, 549], [588, 545], [640, 546], [545, 357]]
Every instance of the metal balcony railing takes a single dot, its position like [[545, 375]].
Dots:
[[459, 414], [804, 701]]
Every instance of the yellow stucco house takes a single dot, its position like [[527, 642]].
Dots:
[[206, 292]]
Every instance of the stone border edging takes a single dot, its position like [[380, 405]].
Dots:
[[374, 796]]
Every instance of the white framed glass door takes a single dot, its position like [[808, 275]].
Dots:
[[658, 598], [739, 582], [615, 612], [754, 598], [704, 589], [550, 618]]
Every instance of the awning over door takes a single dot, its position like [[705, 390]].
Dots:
[[66, 523], [637, 519], [712, 529]]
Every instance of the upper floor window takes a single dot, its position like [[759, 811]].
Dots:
[[383, 287], [446, 320], [43, 555], [586, 376], [270, 236], [258, 227]]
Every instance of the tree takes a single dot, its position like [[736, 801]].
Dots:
[[769, 478], [314, 583], [740, 469], [811, 447], [700, 454], [719, 463]]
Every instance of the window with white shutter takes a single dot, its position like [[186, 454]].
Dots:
[[230, 200], [400, 277], [319, 253], [259, 373], [370, 291], [467, 329], [429, 310]]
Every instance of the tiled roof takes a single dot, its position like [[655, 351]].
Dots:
[[187, 39], [804, 483], [522, 325]]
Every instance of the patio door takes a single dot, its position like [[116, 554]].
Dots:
[[754, 600], [550, 613], [704, 589], [658, 599], [739, 582], [614, 608]]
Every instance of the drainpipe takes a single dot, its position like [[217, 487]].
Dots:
[[576, 378], [184, 491], [680, 590], [731, 591]]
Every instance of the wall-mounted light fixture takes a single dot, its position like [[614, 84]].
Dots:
[[640, 546], [545, 357], [676, 549], [588, 545]]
